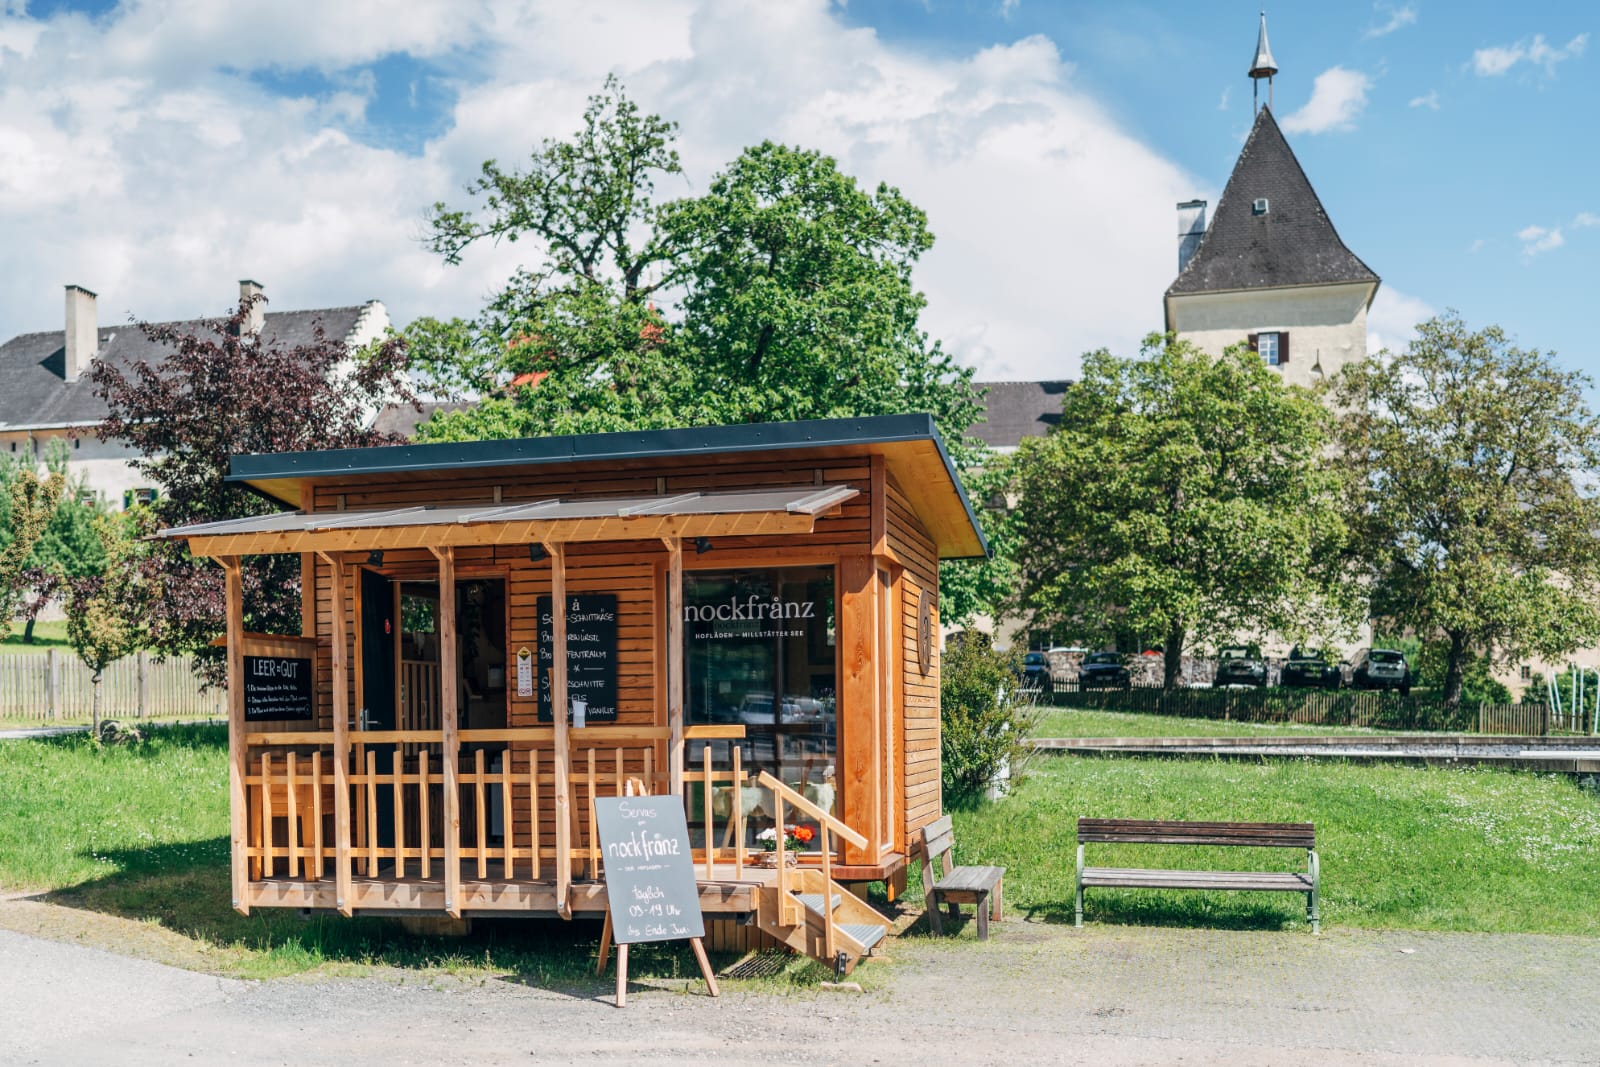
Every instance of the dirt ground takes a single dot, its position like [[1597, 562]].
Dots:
[[1035, 993]]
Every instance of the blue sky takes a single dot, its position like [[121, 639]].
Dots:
[[157, 150]]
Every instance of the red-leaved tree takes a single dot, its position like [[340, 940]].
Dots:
[[221, 391]]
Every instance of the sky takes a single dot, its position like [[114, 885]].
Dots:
[[156, 151]]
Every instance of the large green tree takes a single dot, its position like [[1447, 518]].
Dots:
[[784, 292], [1472, 465], [1183, 497]]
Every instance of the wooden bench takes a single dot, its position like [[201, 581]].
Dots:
[[979, 886], [1165, 832]]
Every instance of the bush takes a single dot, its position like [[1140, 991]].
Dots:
[[984, 715]]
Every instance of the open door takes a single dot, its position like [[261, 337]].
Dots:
[[378, 684]]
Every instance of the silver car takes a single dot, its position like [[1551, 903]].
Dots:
[[1382, 668]]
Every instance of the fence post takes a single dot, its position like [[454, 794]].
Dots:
[[52, 684], [138, 666]]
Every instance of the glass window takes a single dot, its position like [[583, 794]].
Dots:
[[759, 651], [1267, 345]]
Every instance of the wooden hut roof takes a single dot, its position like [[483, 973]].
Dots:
[[911, 446]]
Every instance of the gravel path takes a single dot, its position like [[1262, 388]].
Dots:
[[1036, 993]]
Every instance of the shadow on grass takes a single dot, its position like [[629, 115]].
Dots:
[[159, 738], [1217, 911], [185, 888]]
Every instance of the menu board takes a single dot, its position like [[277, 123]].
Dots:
[[591, 654], [650, 884], [278, 688]]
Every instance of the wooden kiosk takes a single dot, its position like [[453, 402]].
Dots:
[[751, 624]]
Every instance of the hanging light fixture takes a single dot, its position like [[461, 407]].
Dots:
[[375, 558], [702, 545], [536, 552]]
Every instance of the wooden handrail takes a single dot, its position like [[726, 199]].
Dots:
[[831, 822]]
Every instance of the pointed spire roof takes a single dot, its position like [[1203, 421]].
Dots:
[[1263, 65], [1292, 242]]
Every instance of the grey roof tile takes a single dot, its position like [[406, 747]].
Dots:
[[1292, 243], [34, 390], [1014, 410]]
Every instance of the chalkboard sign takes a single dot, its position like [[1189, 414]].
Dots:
[[591, 654], [650, 882], [277, 688]]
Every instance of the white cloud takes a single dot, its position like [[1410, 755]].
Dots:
[[1009, 8], [1538, 239], [1222, 105], [1476, 246], [1489, 62], [1338, 97], [1392, 320], [1399, 18], [1429, 100], [1585, 219], [137, 159]]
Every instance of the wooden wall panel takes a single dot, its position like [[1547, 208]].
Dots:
[[922, 800]]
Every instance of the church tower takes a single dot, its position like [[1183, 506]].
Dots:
[[1270, 270]]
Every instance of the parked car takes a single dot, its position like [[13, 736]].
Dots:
[[1382, 668], [1241, 665], [1036, 670], [1104, 670], [1311, 669]]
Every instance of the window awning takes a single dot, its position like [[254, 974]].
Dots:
[[686, 515]]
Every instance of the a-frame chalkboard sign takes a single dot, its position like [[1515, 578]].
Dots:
[[651, 893]]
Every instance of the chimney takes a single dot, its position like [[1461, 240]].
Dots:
[[258, 308], [1191, 227], [83, 332]]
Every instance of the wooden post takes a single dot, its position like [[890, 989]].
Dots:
[[675, 755], [238, 811], [449, 694], [341, 738], [52, 681], [857, 716], [558, 717]]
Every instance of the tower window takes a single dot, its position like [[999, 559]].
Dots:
[[1273, 347], [1267, 345], [1259, 207]]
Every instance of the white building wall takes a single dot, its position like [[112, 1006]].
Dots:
[[1327, 324]]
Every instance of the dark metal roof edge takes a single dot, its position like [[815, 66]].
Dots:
[[595, 447]]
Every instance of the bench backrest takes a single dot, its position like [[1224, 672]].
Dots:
[[1169, 832], [938, 838]]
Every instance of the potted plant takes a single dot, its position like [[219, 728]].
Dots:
[[795, 839]]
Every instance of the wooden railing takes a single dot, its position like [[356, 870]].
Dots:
[[439, 835], [289, 776], [790, 911]]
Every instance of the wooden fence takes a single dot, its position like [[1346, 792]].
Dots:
[[1386, 711], [54, 686]]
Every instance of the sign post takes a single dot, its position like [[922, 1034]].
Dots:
[[651, 894]]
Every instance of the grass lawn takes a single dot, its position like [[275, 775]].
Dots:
[[45, 635], [1402, 847], [1076, 722], [141, 832]]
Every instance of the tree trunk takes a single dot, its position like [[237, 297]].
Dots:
[[1452, 668], [27, 632], [94, 708], [1172, 660]]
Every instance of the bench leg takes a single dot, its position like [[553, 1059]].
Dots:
[[1313, 912], [983, 916], [1078, 907], [933, 915], [998, 903]]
